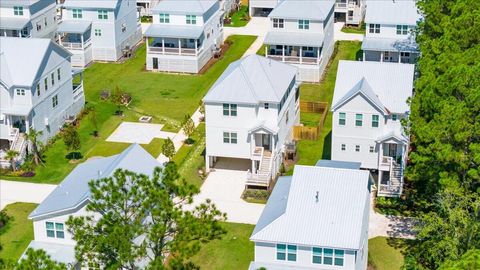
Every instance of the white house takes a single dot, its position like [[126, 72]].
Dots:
[[316, 219], [351, 12], [145, 6], [184, 35], [301, 33], [390, 31], [261, 8], [28, 18], [250, 112], [36, 90], [228, 6], [98, 30], [71, 197], [369, 103]]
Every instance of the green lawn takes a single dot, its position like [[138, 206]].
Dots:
[[385, 253], [234, 251], [311, 151], [354, 29], [165, 97], [239, 18], [18, 233]]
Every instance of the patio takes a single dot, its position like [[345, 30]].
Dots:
[[142, 133]]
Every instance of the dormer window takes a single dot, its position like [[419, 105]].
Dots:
[[164, 18], [191, 19], [304, 24], [278, 23], [102, 14], [77, 13], [18, 11]]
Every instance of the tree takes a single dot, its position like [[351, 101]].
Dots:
[[94, 121], [469, 261], [188, 127], [12, 157], [144, 218], [38, 259], [33, 137], [168, 149], [71, 139]]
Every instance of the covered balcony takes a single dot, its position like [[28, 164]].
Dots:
[[15, 27], [262, 145], [74, 35], [294, 48], [390, 50], [174, 40], [391, 164], [77, 78]]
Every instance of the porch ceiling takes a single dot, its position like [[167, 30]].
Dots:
[[75, 27], [294, 39], [16, 110], [389, 44], [174, 31], [13, 23]]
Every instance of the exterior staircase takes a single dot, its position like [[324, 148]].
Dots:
[[395, 182], [263, 174]]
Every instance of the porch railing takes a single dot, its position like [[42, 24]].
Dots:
[[77, 91], [76, 45], [174, 51], [296, 59], [257, 153]]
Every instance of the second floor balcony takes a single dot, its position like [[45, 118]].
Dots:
[[174, 40], [294, 48], [74, 36]]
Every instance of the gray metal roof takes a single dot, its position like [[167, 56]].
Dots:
[[193, 7], [363, 88], [336, 219], [74, 190], [13, 23], [11, 3], [74, 26], [389, 44], [251, 80], [276, 266], [338, 164], [174, 31], [22, 58], [107, 4], [294, 38], [58, 252], [391, 12], [317, 10], [392, 83]]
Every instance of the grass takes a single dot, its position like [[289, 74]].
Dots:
[[261, 51], [234, 251], [385, 253], [166, 97], [18, 232], [239, 18], [354, 29], [311, 151]]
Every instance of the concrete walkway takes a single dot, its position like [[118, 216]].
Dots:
[[339, 35], [143, 133], [12, 192], [256, 27]]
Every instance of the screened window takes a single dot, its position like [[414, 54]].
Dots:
[[54, 101], [374, 28], [375, 120], [339, 257], [358, 120], [18, 11], [230, 109], [317, 255], [402, 29], [164, 18], [292, 253], [303, 24], [327, 256], [102, 14], [342, 118], [191, 19], [278, 23], [77, 13], [281, 252]]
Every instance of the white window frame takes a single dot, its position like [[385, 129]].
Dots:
[[278, 23], [191, 19], [375, 121], [230, 137], [343, 147], [98, 32], [20, 92], [102, 14], [402, 30], [357, 148], [18, 11], [230, 109], [304, 24], [358, 122], [54, 101], [374, 28], [77, 13], [55, 229], [164, 18], [340, 118], [372, 149]]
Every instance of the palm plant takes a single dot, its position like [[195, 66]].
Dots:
[[12, 157], [33, 137]]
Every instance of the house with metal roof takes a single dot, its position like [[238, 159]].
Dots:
[[36, 91], [390, 34], [145, 6], [28, 18], [301, 34], [98, 30], [71, 197], [184, 35], [315, 219], [369, 104], [261, 8], [351, 12], [250, 112]]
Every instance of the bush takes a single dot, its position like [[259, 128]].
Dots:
[[255, 194], [4, 218]]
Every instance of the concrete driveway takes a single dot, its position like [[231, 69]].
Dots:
[[225, 187], [257, 26], [132, 132], [12, 192]]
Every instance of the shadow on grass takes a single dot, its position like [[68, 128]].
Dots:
[[327, 146], [404, 245], [359, 55], [74, 156]]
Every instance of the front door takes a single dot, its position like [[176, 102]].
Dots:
[[155, 63], [392, 150], [266, 141]]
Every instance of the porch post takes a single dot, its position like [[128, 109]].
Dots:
[[20, 33], [146, 42], [27, 124], [399, 57], [207, 163], [60, 40], [196, 47], [380, 152], [318, 55], [179, 47], [301, 54], [163, 45], [381, 56], [283, 53], [266, 51], [363, 56], [81, 39]]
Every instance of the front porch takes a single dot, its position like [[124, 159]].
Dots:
[[174, 46], [390, 168], [76, 37], [12, 130], [390, 50], [294, 54], [15, 27], [262, 146]]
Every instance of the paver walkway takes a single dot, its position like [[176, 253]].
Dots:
[[143, 133], [12, 192]]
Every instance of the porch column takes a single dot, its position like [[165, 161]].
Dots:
[[27, 125], [60, 40], [399, 57], [283, 53], [381, 56], [4, 33], [179, 47], [163, 45], [81, 39], [253, 167], [207, 163], [146, 42], [318, 55], [196, 47], [301, 54], [363, 56], [266, 51], [20, 33]]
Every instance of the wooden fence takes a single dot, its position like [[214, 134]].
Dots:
[[311, 133]]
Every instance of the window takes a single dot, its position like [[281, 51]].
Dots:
[[39, 26], [316, 255], [98, 32], [230, 137], [357, 148], [45, 81], [20, 92], [25, 32], [278, 23], [230, 109], [374, 28], [54, 101], [358, 120], [58, 75], [77, 13], [53, 78], [372, 149], [124, 27], [286, 117], [164, 18], [266, 105], [45, 21], [281, 252], [191, 19], [292, 253], [102, 14], [342, 118], [402, 29], [339, 254], [55, 230], [233, 138], [303, 24], [394, 117], [344, 147], [328, 256], [404, 54], [38, 89], [18, 11], [375, 119]]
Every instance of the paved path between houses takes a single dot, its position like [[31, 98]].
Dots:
[[339, 35], [12, 192], [257, 26]]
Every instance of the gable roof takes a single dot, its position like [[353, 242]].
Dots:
[[252, 80], [392, 12], [194, 7], [384, 84], [335, 219], [74, 190], [108, 4], [317, 10], [23, 57]]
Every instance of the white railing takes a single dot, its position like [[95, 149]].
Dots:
[[257, 153], [77, 91], [76, 45], [173, 51], [255, 179], [296, 59], [340, 5]]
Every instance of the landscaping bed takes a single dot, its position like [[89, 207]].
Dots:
[[238, 18]]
